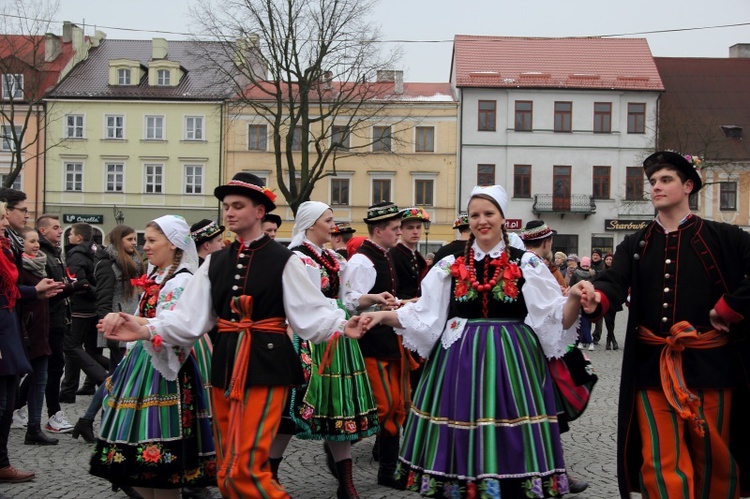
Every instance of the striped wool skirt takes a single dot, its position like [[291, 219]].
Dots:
[[155, 433], [483, 421]]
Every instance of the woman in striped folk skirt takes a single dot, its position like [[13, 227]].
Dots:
[[484, 419], [156, 432]]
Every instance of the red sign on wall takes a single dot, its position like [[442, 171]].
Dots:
[[513, 223]]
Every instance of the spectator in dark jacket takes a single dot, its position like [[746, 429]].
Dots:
[[79, 258], [584, 272]]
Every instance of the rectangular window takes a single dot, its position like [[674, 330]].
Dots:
[[563, 116], [602, 117], [340, 191], [16, 183], [12, 86], [423, 192], [636, 118], [693, 202], [297, 139], [74, 177], [194, 128], [193, 179], [115, 127], [115, 176], [154, 127], [123, 77], [601, 182], [381, 140], [485, 174], [9, 143], [522, 181], [256, 137], [154, 175], [341, 137], [634, 183], [487, 115], [728, 196], [524, 110], [381, 190], [425, 139], [163, 77], [74, 126]]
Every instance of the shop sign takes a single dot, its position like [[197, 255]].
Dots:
[[513, 223], [72, 218], [616, 224]]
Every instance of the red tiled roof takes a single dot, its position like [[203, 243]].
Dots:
[[702, 94], [517, 62], [25, 54], [377, 91]]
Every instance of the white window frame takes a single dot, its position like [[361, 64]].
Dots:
[[341, 176], [194, 128], [13, 85], [17, 183], [153, 176], [264, 175], [416, 137], [124, 76], [78, 176], [163, 77], [118, 177], [378, 141], [147, 128], [110, 131], [382, 176], [8, 145], [192, 184], [259, 126], [347, 145], [424, 176], [75, 127]]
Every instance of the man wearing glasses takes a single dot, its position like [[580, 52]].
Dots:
[[17, 214]]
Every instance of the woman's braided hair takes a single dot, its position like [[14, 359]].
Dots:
[[176, 260]]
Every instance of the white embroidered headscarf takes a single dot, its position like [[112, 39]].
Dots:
[[307, 214], [496, 192], [177, 231]]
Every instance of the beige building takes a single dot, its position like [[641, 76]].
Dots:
[[406, 154]]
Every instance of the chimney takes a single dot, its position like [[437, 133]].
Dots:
[[739, 50], [76, 38], [392, 75], [158, 48], [67, 32], [52, 47], [327, 79]]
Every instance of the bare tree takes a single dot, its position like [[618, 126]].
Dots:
[[25, 56], [308, 68]]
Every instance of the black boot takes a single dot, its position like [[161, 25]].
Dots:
[[196, 493], [35, 436], [346, 488], [329, 460], [376, 448], [85, 429], [615, 346], [388, 460], [127, 490], [275, 462]]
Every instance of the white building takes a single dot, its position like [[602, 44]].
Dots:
[[564, 125]]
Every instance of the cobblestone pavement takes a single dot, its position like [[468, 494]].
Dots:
[[590, 446]]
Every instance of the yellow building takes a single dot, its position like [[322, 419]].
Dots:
[[406, 154], [140, 132]]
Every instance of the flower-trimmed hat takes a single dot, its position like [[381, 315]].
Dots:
[[248, 185], [689, 165], [205, 230], [382, 212], [414, 213], [461, 222], [343, 228], [536, 230]]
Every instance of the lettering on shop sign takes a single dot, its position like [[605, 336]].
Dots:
[[88, 219], [615, 224], [513, 223]]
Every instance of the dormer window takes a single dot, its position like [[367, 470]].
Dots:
[[732, 131], [163, 77], [123, 76], [12, 86]]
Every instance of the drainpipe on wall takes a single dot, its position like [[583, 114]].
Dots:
[[460, 148], [222, 109], [36, 180]]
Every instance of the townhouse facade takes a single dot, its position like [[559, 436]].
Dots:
[[405, 153], [140, 130], [563, 125]]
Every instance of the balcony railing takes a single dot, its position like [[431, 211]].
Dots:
[[576, 204]]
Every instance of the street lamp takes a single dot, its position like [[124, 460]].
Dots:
[[426, 225], [119, 215]]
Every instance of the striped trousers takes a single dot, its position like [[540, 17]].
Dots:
[[679, 464], [390, 387], [260, 421]]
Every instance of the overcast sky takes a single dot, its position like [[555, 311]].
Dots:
[[418, 20]]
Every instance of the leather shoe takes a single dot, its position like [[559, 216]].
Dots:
[[86, 390], [576, 486], [9, 474], [196, 493], [67, 399]]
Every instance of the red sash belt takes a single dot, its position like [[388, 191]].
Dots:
[[242, 306], [681, 336]]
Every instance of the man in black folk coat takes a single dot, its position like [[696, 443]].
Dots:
[[682, 421]]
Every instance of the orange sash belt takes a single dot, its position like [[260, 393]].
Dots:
[[242, 306], [681, 336]]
